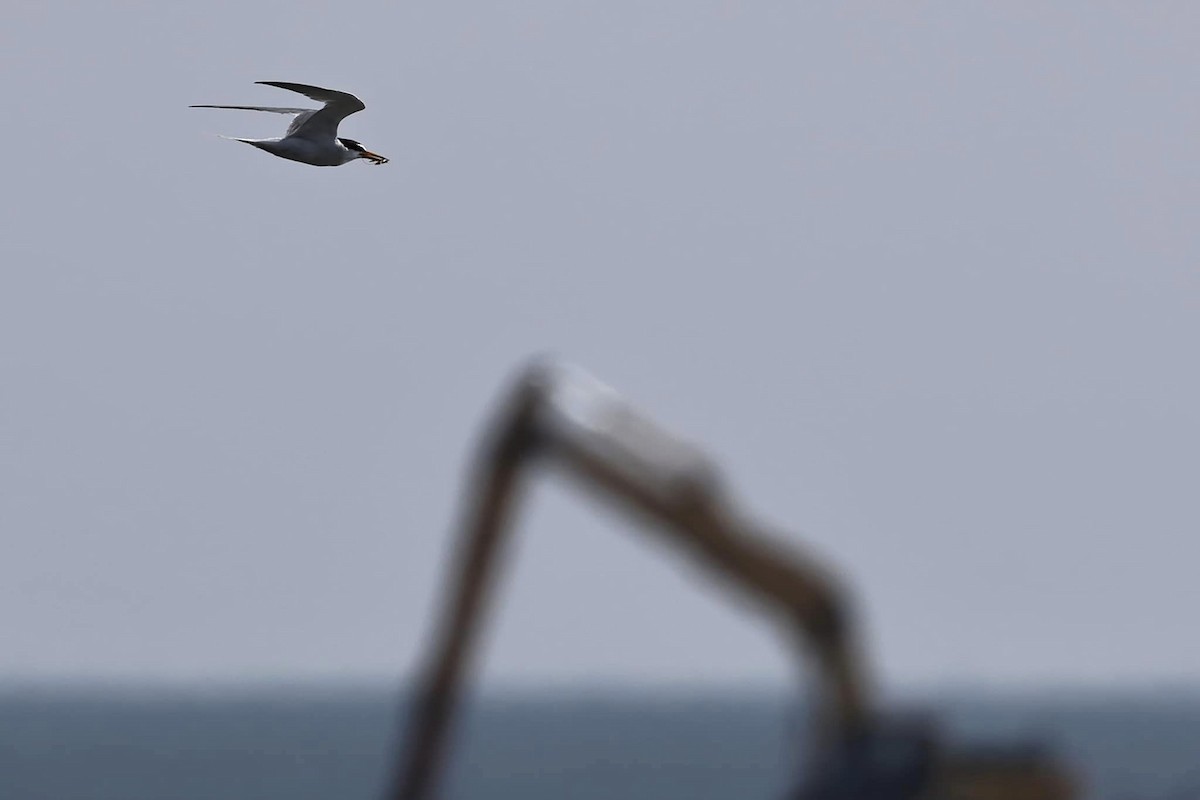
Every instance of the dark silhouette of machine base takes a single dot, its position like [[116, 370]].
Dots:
[[559, 415]]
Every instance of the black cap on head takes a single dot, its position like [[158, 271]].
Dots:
[[351, 144]]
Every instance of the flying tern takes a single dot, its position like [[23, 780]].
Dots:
[[312, 137]]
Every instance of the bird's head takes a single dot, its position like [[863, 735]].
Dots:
[[362, 152]]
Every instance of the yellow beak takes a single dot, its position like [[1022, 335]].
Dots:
[[374, 158]]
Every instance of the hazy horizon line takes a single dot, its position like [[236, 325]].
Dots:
[[395, 687]]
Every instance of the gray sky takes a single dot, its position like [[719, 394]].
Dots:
[[923, 278]]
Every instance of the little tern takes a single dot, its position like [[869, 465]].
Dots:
[[312, 137]]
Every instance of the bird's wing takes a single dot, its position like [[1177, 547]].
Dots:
[[301, 120], [302, 114], [322, 124], [261, 108]]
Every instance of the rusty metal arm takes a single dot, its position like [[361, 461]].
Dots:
[[560, 414]]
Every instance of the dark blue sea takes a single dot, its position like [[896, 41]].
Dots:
[[302, 744]]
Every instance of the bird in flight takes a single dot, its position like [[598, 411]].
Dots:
[[312, 137]]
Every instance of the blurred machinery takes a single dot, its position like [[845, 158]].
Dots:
[[562, 416]]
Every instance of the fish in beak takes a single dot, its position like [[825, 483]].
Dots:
[[374, 158]]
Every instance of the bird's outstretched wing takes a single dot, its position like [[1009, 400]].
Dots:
[[261, 108], [322, 124], [302, 114]]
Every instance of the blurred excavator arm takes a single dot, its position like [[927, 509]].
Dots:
[[562, 416]]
